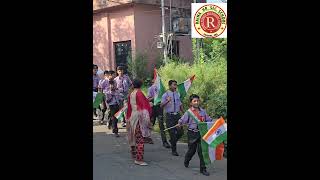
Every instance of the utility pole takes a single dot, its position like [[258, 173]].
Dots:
[[163, 34], [170, 32], [170, 18]]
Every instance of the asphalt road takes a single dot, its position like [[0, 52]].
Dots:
[[112, 160]]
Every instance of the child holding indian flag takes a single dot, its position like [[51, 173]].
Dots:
[[113, 100], [193, 114]]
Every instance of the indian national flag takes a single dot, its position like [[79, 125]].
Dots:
[[98, 99], [185, 86], [120, 114], [160, 87], [209, 153], [217, 133]]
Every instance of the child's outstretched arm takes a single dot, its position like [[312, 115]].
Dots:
[[184, 119]]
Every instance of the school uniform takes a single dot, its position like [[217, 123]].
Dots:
[[104, 85], [172, 110], [96, 80], [157, 112], [113, 100], [123, 84], [194, 137]]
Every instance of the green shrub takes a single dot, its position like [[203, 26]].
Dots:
[[137, 67], [210, 83]]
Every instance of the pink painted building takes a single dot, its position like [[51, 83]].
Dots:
[[123, 27]]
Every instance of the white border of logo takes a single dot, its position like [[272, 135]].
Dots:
[[195, 7]]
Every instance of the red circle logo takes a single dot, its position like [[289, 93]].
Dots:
[[210, 21]]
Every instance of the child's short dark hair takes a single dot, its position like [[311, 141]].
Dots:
[[137, 83], [95, 66], [120, 68], [192, 96], [112, 72], [172, 81], [106, 72]]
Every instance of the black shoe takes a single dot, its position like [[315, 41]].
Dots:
[[175, 153], [166, 145], [186, 164], [204, 172]]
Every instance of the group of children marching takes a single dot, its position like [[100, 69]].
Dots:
[[116, 90]]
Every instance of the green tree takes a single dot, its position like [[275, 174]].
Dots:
[[137, 66]]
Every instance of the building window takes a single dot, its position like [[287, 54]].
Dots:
[[122, 53]]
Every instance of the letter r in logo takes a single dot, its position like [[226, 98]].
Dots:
[[210, 20]]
